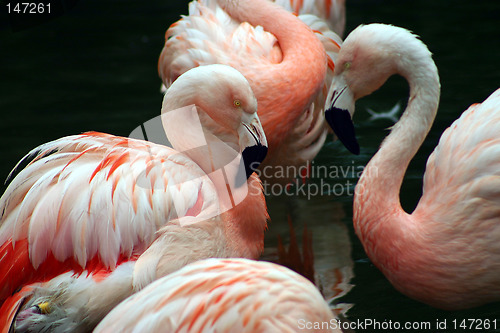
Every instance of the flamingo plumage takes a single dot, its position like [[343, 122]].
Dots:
[[288, 63], [332, 12], [96, 202], [224, 295], [447, 252]]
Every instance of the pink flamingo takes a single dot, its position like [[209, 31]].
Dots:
[[287, 64], [80, 205], [225, 295], [446, 253]]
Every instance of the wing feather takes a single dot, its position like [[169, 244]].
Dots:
[[462, 178], [208, 35], [223, 295], [468, 149], [97, 195], [330, 11]]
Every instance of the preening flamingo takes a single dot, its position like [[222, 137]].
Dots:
[[287, 64], [224, 295], [96, 202], [447, 252]]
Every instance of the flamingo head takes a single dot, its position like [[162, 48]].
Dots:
[[368, 57], [30, 318], [222, 118], [41, 312]]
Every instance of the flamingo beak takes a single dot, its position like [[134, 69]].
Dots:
[[253, 142], [338, 114], [25, 317]]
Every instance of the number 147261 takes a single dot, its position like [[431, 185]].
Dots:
[[28, 8], [475, 324]]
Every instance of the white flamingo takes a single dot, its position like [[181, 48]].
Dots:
[[447, 252], [129, 211], [225, 295]]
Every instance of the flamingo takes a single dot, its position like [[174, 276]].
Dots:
[[129, 211], [447, 252], [224, 295], [287, 64]]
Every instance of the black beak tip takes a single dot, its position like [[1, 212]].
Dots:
[[341, 123], [252, 157]]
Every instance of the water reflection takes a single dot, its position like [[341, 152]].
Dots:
[[331, 244]]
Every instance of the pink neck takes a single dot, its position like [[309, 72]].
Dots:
[[297, 79], [379, 220], [246, 222]]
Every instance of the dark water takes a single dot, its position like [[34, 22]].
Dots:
[[95, 69]]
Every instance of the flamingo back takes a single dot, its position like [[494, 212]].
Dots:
[[460, 209], [223, 295], [465, 166], [93, 199], [330, 11], [208, 35]]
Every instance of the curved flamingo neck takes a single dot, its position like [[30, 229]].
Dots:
[[300, 75], [377, 204]]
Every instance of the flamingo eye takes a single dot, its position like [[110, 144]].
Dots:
[[347, 65], [237, 103], [42, 308]]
